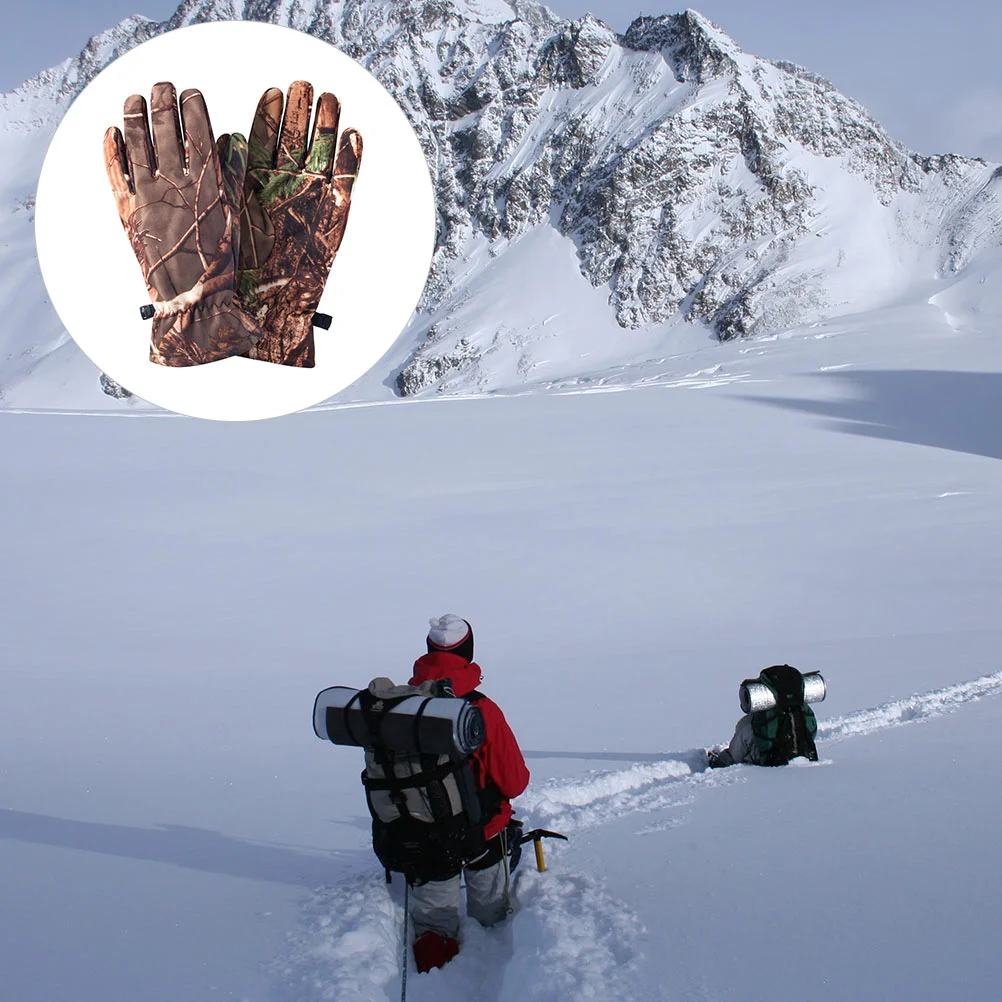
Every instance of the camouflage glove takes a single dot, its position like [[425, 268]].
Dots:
[[179, 199], [296, 209]]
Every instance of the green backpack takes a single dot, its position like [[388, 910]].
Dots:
[[788, 729]]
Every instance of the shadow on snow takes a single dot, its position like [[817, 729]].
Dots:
[[191, 848], [959, 411]]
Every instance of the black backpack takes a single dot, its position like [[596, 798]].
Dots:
[[428, 811], [787, 730]]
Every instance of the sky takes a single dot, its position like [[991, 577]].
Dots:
[[929, 73]]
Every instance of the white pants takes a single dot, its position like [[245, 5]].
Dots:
[[435, 905]]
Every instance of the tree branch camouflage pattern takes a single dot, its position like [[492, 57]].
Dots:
[[296, 207], [179, 198]]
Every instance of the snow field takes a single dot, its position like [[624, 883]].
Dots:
[[176, 593]]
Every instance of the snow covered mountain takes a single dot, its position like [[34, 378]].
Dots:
[[598, 194]]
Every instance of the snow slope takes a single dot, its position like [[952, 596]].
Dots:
[[176, 592]]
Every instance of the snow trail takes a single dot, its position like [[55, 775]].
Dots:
[[577, 941], [600, 797], [922, 706], [573, 942]]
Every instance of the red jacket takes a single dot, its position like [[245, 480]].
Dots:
[[499, 759]]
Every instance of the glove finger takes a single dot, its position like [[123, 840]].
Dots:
[[117, 164], [138, 145], [264, 131], [232, 153], [198, 143], [349, 158], [292, 140], [167, 139], [324, 137], [257, 233]]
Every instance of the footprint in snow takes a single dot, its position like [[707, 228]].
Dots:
[[569, 941]]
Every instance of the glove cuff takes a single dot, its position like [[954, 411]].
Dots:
[[211, 328], [287, 341]]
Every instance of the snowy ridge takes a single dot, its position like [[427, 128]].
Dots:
[[602, 797]]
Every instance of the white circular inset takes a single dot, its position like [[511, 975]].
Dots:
[[96, 284]]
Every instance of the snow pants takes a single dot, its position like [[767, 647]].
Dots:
[[435, 905]]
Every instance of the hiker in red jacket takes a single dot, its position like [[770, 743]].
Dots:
[[501, 774]]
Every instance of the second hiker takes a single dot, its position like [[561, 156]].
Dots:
[[778, 725]]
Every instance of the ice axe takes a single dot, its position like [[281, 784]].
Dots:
[[536, 837]]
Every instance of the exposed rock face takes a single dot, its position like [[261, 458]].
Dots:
[[695, 180], [113, 389]]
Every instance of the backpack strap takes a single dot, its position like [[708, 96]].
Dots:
[[373, 721], [488, 793], [331, 711], [417, 721], [433, 773]]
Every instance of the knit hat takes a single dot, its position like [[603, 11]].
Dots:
[[451, 634]]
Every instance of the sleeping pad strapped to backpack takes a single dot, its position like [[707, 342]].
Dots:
[[428, 810], [787, 730]]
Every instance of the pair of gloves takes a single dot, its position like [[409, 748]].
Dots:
[[235, 238]]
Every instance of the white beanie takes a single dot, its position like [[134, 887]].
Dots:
[[448, 631]]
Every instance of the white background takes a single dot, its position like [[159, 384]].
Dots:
[[96, 284]]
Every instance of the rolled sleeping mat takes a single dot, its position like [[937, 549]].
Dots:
[[416, 725], [755, 696]]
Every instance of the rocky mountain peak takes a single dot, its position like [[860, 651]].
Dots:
[[689, 180], [696, 48], [574, 55]]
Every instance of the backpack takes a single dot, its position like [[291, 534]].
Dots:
[[788, 729], [428, 811]]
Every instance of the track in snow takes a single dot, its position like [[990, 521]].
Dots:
[[573, 942], [600, 797], [899, 712]]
